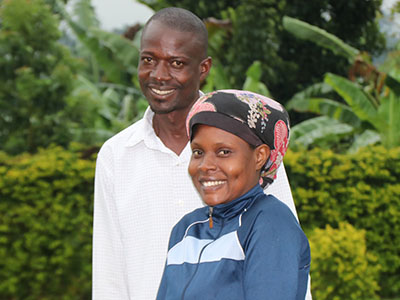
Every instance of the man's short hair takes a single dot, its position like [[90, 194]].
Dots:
[[182, 20]]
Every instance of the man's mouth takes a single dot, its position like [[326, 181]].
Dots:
[[212, 183], [162, 92]]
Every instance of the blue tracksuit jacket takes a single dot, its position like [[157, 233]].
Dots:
[[255, 250]]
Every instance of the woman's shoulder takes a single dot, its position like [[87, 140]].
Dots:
[[272, 207], [270, 214], [198, 215]]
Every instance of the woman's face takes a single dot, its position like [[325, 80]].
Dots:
[[223, 166]]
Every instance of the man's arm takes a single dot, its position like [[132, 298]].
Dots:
[[280, 188], [109, 277]]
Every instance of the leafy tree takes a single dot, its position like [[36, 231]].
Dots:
[[36, 75]]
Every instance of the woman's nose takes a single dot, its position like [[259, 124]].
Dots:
[[208, 163]]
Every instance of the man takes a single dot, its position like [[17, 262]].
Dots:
[[142, 186]]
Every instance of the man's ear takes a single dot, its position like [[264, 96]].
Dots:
[[262, 153], [205, 67]]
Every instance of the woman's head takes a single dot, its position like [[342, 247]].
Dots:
[[238, 139]]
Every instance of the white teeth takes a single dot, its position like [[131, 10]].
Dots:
[[212, 183], [159, 92]]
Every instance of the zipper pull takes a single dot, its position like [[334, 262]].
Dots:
[[210, 216]]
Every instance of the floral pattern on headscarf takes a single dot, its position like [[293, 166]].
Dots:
[[266, 118]]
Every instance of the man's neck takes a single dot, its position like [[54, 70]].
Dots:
[[171, 130]]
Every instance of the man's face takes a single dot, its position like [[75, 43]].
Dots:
[[170, 68]]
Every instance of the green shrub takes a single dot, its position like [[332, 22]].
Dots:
[[361, 189], [46, 225], [341, 268], [46, 203]]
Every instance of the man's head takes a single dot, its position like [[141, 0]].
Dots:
[[173, 60]]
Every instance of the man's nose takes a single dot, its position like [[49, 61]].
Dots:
[[161, 71]]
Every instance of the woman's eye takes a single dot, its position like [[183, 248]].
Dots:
[[196, 152]]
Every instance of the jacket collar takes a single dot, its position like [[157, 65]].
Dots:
[[237, 206]]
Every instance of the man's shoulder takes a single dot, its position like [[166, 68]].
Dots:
[[126, 135]]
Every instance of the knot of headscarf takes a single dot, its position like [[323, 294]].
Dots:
[[250, 116]]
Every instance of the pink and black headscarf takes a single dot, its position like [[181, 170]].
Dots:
[[254, 118]]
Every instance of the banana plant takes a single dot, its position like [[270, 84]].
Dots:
[[370, 107], [107, 99], [218, 79]]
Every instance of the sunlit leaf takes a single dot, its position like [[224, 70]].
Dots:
[[318, 130]]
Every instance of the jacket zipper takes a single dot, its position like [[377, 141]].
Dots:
[[210, 211], [201, 252]]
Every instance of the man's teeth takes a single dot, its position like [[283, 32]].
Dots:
[[212, 183], [160, 92]]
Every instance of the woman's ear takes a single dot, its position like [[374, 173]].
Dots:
[[262, 153]]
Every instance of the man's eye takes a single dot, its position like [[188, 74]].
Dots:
[[147, 59], [177, 63]]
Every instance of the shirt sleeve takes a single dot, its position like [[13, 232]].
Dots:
[[280, 188], [277, 259], [109, 276]]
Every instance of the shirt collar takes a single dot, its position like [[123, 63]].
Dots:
[[143, 130]]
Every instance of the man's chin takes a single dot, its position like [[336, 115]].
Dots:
[[161, 111]]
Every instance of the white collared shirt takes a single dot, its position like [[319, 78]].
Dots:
[[142, 189]]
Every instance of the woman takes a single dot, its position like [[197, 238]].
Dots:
[[243, 244]]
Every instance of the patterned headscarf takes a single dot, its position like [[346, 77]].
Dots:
[[250, 116]]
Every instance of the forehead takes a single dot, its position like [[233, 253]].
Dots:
[[159, 38], [210, 135]]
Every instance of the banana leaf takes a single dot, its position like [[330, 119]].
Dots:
[[109, 49], [319, 131], [326, 107], [253, 80], [320, 37], [389, 120], [355, 97], [368, 137]]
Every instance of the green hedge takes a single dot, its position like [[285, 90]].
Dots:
[[341, 267], [46, 225], [361, 189], [46, 204]]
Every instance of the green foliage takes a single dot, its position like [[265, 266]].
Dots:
[[306, 31], [217, 80], [106, 96], [372, 102], [362, 189], [46, 225], [47, 201], [288, 64], [36, 74], [341, 267], [95, 113]]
